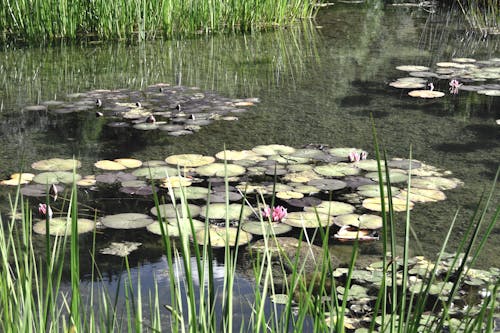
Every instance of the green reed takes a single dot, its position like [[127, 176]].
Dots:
[[32, 20]]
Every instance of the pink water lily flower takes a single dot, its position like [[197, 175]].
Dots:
[[45, 210], [354, 156], [277, 213], [454, 85]]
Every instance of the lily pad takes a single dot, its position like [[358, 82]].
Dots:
[[332, 208], [374, 190], [370, 165], [220, 211], [220, 170], [86, 181], [265, 228], [407, 85], [56, 164], [365, 221], [426, 93], [423, 195], [220, 236], [145, 190], [327, 184], [375, 204], [394, 176], [189, 160], [237, 155], [126, 221], [304, 202], [38, 190], [348, 234], [129, 163], [173, 229], [412, 68], [435, 183], [60, 226], [167, 211], [109, 165], [285, 195], [307, 219], [156, 172], [18, 179], [120, 249], [175, 182], [191, 193], [337, 170], [56, 177], [115, 177], [268, 150]]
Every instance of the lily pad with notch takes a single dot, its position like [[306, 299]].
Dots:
[[126, 221], [220, 236], [221, 211], [265, 227], [61, 226], [332, 208], [364, 221]]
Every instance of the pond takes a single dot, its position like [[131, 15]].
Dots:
[[315, 83]]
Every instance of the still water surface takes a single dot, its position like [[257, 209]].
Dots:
[[317, 83]]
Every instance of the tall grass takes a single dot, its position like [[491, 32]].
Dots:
[[33, 20], [32, 299]]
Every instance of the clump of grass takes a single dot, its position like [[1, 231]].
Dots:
[[483, 15], [142, 19]]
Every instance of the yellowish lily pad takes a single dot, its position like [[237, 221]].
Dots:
[[189, 160]]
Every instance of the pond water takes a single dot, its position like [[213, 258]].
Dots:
[[317, 83]]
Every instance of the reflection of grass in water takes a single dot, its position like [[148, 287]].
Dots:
[[211, 63], [141, 19], [483, 15]]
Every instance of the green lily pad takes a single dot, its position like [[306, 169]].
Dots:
[[120, 249], [220, 170], [436, 183], [337, 170], [189, 160], [126, 221], [426, 93], [375, 204], [175, 182], [344, 152], [109, 165], [373, 190], [237, 155], [394, 176], [332, 208], [173, 230], [61, 226], [265, 228], [307, 220], [268, 150], [288, 159], [56, 164], [327, 184], [191, 193], [167, 211], [406, 84], [220, 236], [365, 221], [370, 165], [220, 211], [422, 195], [279, 298], [412, 68], [56, 177], [159, 172]]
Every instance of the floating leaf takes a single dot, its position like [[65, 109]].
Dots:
[[38, 190], [285, 195], [115, 177], [348, 234], [173, 229], [237, 155], [407, 85], [56, 164], [126, 221], [62, 226], [365, 221], [394, 175], [304, 202], [326, 184], [189, 160], [220, 236], [399, 205], [374, 190], [191, 193], [426, 93], [220, 211], [167, 211], [156, 172], [18, 179], [120, 249], [268, 150], [86, 181], [423, 195], [279, 298], [129, 163], [332, 208], [109, 165], [412, 68], [175, 182], [220, 170], [56, 177], [337, 170], [308, 219], [370, 165], [436, 183], [265, 227]]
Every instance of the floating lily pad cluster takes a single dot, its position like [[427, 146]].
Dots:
[[319, 185], [481, 76], [176, 110]]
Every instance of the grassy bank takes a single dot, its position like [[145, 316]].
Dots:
[[141, 19], [482, 15]]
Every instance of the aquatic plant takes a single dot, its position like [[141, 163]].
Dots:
[[483, 15], [140, 19]]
